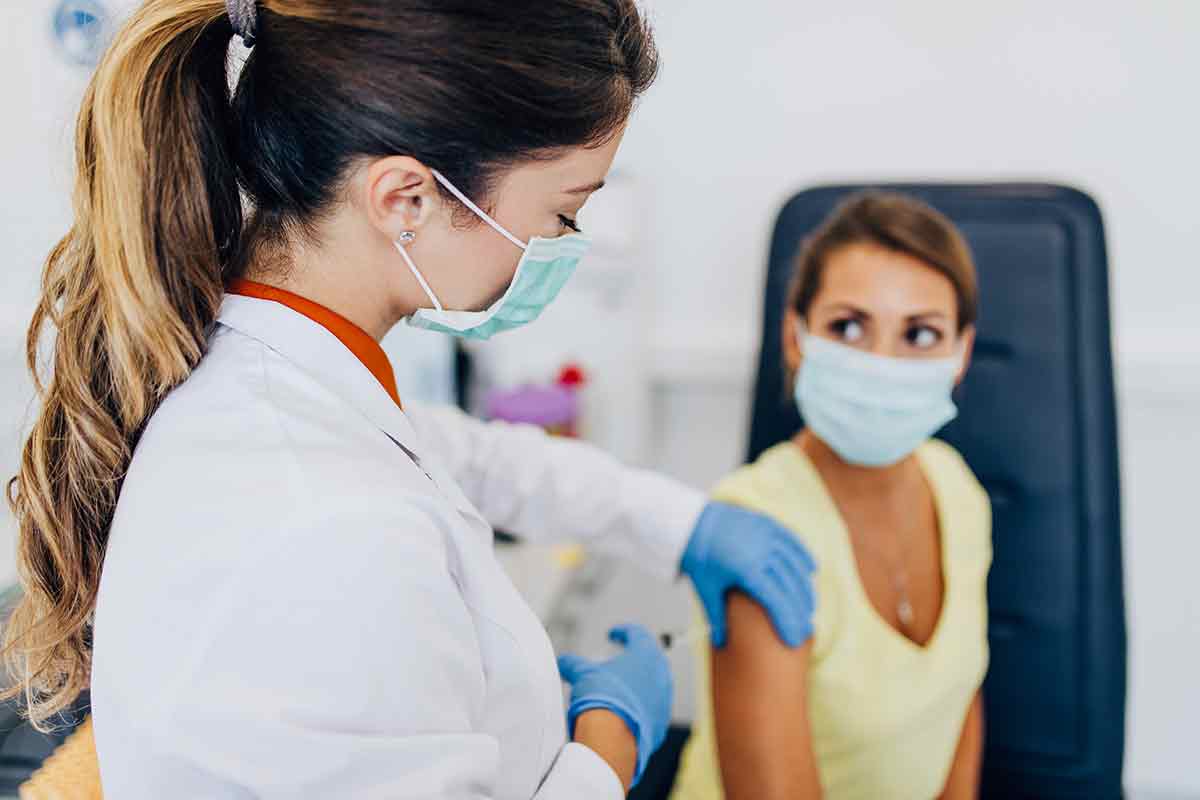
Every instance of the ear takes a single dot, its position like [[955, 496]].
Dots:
[[793, 353], [400, 194], [968, 349]]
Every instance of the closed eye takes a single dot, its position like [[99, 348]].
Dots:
[[569, 223]]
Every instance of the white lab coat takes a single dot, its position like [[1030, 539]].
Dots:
[[300, 596]]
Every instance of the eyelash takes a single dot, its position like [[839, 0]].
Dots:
[[840, 327], [568, 222]]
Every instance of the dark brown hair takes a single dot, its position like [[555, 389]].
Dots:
[[165, 154], [897, 222]]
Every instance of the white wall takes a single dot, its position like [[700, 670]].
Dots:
[[763, 97], [39, 94]]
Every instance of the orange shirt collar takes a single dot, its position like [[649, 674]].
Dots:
[[356, 340]]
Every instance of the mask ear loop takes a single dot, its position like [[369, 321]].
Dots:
[[406, 237], [483, 215]]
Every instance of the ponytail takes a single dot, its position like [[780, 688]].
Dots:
[[164, 158], [131, 291]]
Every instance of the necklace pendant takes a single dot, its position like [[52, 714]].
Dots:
[[904, 610]]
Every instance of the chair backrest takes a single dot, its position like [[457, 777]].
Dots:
[[1037, 424]]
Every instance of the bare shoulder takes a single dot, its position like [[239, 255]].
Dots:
[[760, 701]]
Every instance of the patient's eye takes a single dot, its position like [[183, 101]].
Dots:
[[848, 329], [923, 337]]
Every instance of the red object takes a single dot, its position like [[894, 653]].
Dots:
[[572, 376]]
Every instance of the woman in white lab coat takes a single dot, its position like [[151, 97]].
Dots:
[[276, 577]]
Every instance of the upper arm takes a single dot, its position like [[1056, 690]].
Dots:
[[548, 488], [760, 692], [451, 433]]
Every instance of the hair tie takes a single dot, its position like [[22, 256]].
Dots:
[[243, 15]]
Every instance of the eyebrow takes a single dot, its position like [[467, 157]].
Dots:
[[586, 189], [862, 312]]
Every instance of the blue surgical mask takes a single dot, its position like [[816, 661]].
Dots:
[[544, 268], [873, 411]]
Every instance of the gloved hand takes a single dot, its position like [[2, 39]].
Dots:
[[734, 548], [635, 685]]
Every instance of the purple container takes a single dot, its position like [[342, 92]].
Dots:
[[554, 408]]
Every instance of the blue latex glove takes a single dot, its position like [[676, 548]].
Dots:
[[733, 548], [635, 685]]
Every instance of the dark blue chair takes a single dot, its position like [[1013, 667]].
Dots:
[[1038, 425], [23, 749]]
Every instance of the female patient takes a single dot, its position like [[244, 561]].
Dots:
[[884, 700]]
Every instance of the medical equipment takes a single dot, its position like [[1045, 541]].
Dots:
[[555, 409], [674, 639]]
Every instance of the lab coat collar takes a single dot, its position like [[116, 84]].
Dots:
[[314, 349]]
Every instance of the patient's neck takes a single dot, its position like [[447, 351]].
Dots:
[[851, 478]]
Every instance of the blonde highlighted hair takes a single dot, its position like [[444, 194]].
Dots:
[[131, 290], [164, 155]]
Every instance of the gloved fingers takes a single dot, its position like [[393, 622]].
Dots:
[[632, 635], [797, 581], [800, 600], [787, 542], [570, 667]]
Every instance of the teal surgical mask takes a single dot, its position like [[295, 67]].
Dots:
[[872, 410], [544, 268]]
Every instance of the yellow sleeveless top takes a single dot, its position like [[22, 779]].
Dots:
[[886, 714]]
